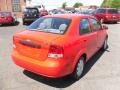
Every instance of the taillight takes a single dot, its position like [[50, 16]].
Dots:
[[106, 16], [55, 51]]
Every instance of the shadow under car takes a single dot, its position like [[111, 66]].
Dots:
[[64, 81]]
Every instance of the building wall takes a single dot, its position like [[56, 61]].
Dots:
[[6, 5]]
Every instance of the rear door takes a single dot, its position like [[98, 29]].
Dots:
[[97, 27], [87, 37]]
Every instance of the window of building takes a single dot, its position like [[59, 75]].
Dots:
[[16, 5]]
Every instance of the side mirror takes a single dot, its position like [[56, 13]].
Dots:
[[105, 27]]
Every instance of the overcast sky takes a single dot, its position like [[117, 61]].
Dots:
[[57, 3]]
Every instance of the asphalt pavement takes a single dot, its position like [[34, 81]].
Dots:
[[102, 72]]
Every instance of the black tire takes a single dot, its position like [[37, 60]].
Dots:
[[24, 23], [78, 71], [105, 45], [14, 23], [115, 22]]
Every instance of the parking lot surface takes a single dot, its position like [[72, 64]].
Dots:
[[102, 72]]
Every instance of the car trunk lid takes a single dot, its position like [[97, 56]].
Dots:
[[34, 44]]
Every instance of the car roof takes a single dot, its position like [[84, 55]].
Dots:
[[5, 12], [107, 8], [68, 16]]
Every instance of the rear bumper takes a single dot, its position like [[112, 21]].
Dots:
[[111, 20], [50, 68], [6, 21]]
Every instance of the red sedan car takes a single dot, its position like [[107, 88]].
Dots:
[[107, 15], [119, 15], [43, 12], [59, 45], [6, 18]]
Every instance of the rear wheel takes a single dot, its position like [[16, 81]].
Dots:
[[14, 22], [79, 69], [105, 45]]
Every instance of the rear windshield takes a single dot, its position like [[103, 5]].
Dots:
[[5, 14], [112, 11], [50, 25], [31, 10]]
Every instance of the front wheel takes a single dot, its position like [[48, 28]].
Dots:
[[79, 69]]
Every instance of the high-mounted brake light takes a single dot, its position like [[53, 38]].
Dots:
[[55, 51]]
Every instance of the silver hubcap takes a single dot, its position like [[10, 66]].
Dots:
[[80, 67]]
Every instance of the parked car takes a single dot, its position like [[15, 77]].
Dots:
[[7, 18], [59, 45], [30, 14], [107, 15], [43, 12], [119, 14], [88, 11], [56, 11]]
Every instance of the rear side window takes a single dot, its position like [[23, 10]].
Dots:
[[101, 11], [85, 26], [96, 25], [113, 11], [119, 11]]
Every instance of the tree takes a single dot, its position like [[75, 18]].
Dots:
[[105, 4], [115, 4], [111, 4], [64, 5], [77, 5]]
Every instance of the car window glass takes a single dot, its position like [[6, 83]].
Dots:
[[50, 24], [96, 24], [112, 11], [5, 14], [101, 11], [84, 26], [31, 10]]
